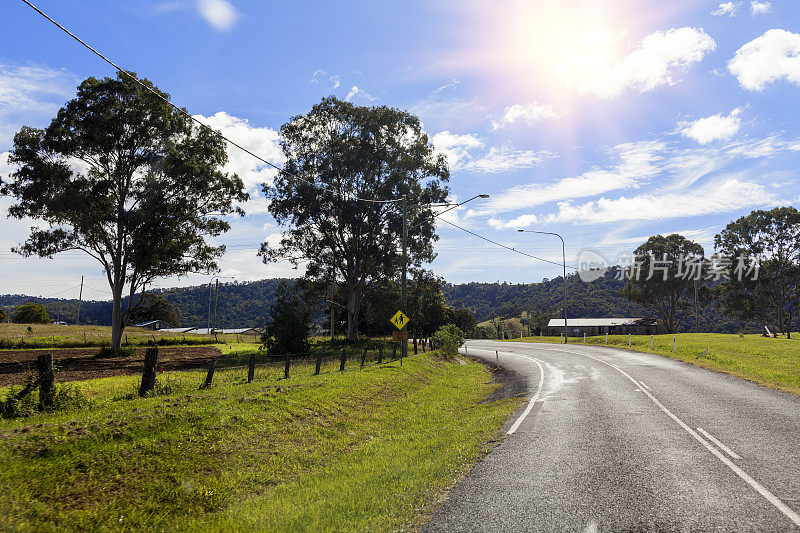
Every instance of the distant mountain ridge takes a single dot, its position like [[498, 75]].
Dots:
[[247, 304]]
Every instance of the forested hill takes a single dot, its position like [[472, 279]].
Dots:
[[239, 305], [598, 299], [247, 304]]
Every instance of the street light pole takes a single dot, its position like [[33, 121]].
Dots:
[[403, 293], [564, 264]]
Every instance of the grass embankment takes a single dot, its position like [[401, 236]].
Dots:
[[774, 363], [17, 336], [360, 450]]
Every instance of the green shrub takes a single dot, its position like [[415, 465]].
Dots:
[[448, 340], [12, 407], [69, 396]]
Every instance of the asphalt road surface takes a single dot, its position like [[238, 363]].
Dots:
[[618, 441]]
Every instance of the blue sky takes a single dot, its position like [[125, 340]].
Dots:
[[606, 121]]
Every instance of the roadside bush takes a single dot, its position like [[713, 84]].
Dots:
[[3, 315], [448, 340]]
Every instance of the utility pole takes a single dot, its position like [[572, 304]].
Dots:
[[404, 345], [216, 292], [80, 299], [696, 314]]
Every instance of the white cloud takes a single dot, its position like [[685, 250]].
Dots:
[[530, 113], [522, 221], [713, 128], [447, 113], [460, 151], [722, 196], [31, 95], [261, 141], [355, 92], [453, 85], [637, 164], [505, 159], [334, 79], [768, 58], [456, 147], [220, 14], [598, 69], [726, 8], [759, 148], [760, 8]]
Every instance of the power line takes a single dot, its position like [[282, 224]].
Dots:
[[186, 113], [504, 246]]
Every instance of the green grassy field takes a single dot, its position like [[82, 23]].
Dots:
[[771, 362], [361, 450], [58, 336]]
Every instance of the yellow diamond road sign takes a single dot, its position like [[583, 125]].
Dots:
[[399, 320]]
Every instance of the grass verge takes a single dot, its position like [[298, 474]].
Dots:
[[770, 362], [360, 450]]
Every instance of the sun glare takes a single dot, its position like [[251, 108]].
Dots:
[[554, 49]]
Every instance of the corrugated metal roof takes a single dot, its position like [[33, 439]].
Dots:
[[598, 322]]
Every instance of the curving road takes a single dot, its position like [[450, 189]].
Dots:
[[619, 441]]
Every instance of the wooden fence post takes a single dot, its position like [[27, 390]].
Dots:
[[344, 358], [380, 354], [319, 361], [46, 380], [415, 346], [363, 356], [286, 366], [251, 368], [394, 350], [149, 371], [210, 375]]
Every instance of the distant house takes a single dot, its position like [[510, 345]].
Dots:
[[155, 325], [220, 331], [601, 326], [239, 331], [177, 330]]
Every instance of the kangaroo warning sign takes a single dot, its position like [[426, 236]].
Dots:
[[399, 320]]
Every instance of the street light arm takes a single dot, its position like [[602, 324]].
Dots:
[[564, 262]]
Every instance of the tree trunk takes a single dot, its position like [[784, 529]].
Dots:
[[353, 310], [116, 317]]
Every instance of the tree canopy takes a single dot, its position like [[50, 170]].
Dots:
[[770, 241], [335, 153], [659, 280], [154, 307], [289, 324], [31, 313], [126, 178]]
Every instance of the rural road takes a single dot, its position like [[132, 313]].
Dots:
[[622, 441]]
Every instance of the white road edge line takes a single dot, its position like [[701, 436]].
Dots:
[[535, 397], [532, 401], [645, 385], [721, 446], [758, 487]]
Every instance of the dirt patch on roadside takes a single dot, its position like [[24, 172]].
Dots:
[[81, 363], [512, 384]]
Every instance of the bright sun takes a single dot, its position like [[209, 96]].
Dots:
[[555, 49]]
